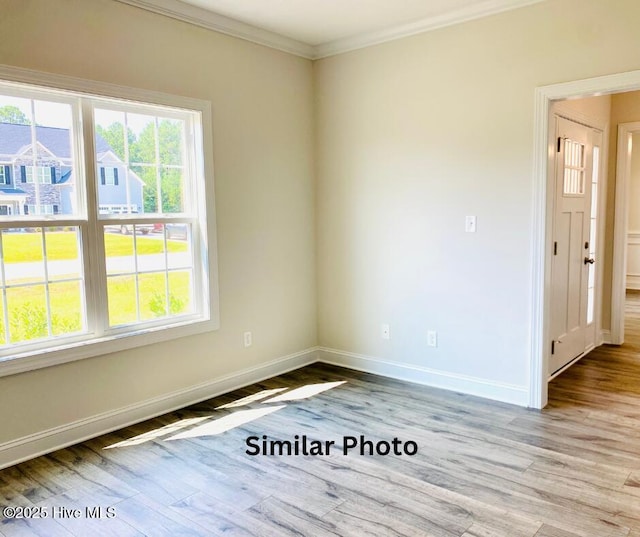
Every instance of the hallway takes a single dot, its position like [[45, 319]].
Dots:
[[605, 384]]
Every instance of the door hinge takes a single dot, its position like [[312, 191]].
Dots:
[[553, 346], [555, 248], [559, 143]]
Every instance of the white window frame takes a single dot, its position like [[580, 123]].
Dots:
[[102, 339], [44, 175], [109, 178], [3, 178], [45, 208]]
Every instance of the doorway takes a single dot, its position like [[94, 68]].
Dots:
[[543, 220], [577, 213]]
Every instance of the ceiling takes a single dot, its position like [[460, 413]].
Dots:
[[319, 28]]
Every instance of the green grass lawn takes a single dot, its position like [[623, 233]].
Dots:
[[152, 293], [27, 305], [25, 247]]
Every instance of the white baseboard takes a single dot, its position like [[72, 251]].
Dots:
[[508, 393], [43, 442], [605, 337], [34, 445]]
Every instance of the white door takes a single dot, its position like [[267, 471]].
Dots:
[[573, 256]]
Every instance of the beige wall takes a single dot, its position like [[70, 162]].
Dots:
[[411, 136], [263, 156], [415, 134]]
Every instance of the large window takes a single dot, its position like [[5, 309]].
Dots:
[[81, 263]]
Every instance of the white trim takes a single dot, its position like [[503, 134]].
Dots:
[[428, 24], [31, 169], [498, 391], [40, 443], [225, 25], [621, 235], [605, 337], [34, 445], [39, 354], [219, 23], [540, 264], [541, 225], [27, 147], [77, 350], [97, 89]]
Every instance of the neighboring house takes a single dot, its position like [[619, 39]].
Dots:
[[51, 188]]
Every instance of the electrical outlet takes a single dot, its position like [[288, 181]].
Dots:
[[432, 338], [385, 331], [470, 224], [248, 339]]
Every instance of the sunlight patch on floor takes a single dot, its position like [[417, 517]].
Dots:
[[215, 426], [252, 398], [157, 433], [226, 423], [304, 392]]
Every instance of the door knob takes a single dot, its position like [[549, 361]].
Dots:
[[589, 260]]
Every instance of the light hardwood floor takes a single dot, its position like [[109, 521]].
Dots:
[[483, 469]]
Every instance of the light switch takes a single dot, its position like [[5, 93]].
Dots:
[[470, 224]]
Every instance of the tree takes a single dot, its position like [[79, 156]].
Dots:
[[142, 149], [113, 135], [13, 114], [170, 149]]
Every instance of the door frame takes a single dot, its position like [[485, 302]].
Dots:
[[621, 222], [542, 225]]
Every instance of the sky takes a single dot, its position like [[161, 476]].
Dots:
[[52, 114], [48, 114]]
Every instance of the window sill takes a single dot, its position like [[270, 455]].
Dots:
[[38, 359]]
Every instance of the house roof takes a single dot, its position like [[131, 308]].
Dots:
[[13, 138], [66, 175], [12, 191]]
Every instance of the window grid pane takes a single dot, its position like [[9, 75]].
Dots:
[[573, 168], [149, 152], [143, 167], [38, 143], [42, 284], [149, 272]]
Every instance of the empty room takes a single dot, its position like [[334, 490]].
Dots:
[[320, 268]]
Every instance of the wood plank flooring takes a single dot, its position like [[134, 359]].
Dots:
[[483, 469]]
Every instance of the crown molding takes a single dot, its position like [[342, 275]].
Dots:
[[477, 11], [219, 23]]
